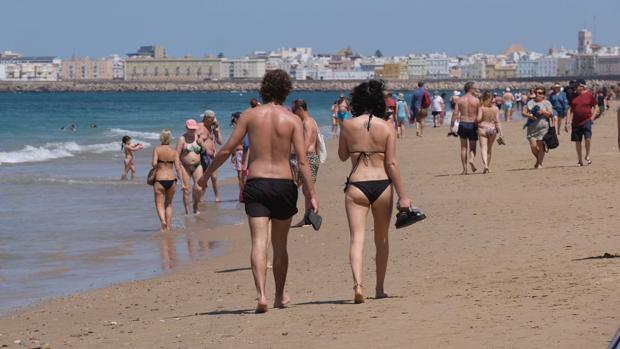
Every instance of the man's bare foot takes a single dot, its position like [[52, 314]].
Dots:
[[217, 199], [281, 302], [580, 164], [486, 170], [358, 298], [380, 294], [464, 173]]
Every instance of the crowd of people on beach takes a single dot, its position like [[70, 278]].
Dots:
[[276, 150]]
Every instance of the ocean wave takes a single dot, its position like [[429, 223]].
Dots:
[[135, 134], [52, 151]]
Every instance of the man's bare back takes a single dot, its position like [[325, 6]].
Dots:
[[467, 107], [310, 134]]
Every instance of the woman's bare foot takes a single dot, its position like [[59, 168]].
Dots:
[[464, 172], [261, 306], [358, 298], [281, 302], [486, 170], [473, 167]]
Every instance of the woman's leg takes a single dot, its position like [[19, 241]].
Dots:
[[357, 207], [541, 153], [159, 193], [381, 213], [534, 149], [216, 190], [185, 175], [490, 142], [168, 205], [484, 150], [197, 188]]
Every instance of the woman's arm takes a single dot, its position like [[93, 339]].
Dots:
[[154, 159], [393, 171], [177, 167], [180, 144], [498, 124], [343, 148], [479, 116]]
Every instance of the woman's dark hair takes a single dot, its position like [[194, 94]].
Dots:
[[297, 104], [124, 141], [367, 97], [275, 87]]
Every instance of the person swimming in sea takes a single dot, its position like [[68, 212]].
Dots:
[[129, 148]]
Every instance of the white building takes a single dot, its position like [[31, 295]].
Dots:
[[243, 68], [473, 71], [2, 71], [547, 67], [118, 67], [437, 66], [527, 68], [31, 68]]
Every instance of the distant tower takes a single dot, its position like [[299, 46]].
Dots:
[[584, 41]]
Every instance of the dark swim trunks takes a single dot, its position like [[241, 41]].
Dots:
[[205, 160], [275, 198], [468, 130]]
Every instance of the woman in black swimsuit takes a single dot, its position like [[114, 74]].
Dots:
[[370, 142], [165, 158]]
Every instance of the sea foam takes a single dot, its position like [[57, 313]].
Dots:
[[135, 134]]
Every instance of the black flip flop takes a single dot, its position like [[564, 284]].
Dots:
[[407, 216], [314, 219]]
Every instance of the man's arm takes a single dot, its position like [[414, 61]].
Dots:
[[302, 163], [220, 157]]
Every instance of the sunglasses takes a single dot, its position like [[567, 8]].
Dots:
[[540, 93]]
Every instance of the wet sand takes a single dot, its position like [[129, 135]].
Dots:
[[499, 263]]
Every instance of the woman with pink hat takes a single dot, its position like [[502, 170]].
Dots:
[[189, 148]]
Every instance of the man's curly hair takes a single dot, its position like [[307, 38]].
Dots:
[[367, 97], [275, 87]]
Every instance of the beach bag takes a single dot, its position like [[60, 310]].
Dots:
[[320, 144], [551, 139], [150, 178]]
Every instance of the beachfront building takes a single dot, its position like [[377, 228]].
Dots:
[[87, 69], [584, 41], [45, 68], [416, 67], [566, 66], [118, 67], [547, 66], [172, 69], [608, 65], [437, 66], [527, 68], [498, 71], [392, 71], [153, 51], [474, 71], [585, 65], [242, 68]]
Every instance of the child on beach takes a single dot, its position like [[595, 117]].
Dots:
[[129, 148], [237, 157]]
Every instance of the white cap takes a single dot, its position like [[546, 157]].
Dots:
[[507, 89]]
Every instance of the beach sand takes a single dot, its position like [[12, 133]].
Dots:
[[499, 263]]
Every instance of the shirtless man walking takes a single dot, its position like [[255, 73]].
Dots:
[[508, 106], [311, 131], [270, 193], [466, 113], [209, 134]]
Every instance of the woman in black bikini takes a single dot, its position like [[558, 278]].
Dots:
[[165, 158], [370, 142]]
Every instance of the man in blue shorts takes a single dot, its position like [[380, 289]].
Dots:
[[583, 107]]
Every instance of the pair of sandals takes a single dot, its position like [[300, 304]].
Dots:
[[407, 216], [313, 219]]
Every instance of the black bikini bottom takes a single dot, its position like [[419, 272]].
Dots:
[[372, 189], [166, 183]]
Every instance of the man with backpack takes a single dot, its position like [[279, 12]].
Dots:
[[420, 101]]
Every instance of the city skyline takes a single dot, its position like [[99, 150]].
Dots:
[[194, 27]]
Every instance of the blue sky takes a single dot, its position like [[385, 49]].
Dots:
[[236, 28]]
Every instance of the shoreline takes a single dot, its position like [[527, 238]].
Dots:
[[253, 85], [495, 272]]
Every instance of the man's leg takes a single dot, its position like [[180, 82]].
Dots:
[[279, 235], [579, 158], [464, 155], [472, 154], [588, 145], [259, 231]]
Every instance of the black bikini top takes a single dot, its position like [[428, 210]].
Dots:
[[363, 155], [165, 161]]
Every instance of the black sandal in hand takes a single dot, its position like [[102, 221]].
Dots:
[[406, 216]]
